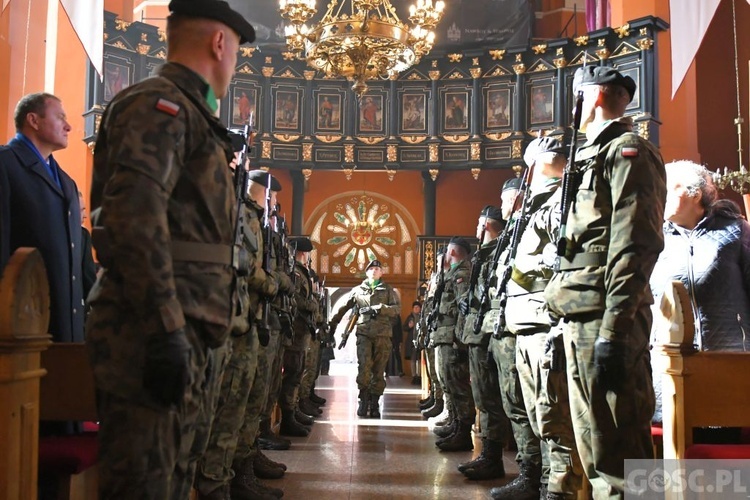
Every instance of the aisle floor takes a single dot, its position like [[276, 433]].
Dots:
[[392, 458]]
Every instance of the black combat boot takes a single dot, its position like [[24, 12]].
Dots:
[[303, 418], [435, 410], [245, 486], [443, 431], [364, 402], [489, 464], [374, 406], [524, 487], [267, 440], [268, 460], [221, 493], [289, 425], [317, 399], [265, 468], [309, 408], [468, 465], [426, 403], [459, 440]]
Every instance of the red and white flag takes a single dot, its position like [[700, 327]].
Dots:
[[597, 14], [87, 19], [688, 23]]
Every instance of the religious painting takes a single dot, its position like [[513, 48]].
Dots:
[[633, 73], [371, 114], [244, 101], [116, 78], [456, 111], [287, 110], [413, 116], [542, 104], [498, 109], [329, 112]]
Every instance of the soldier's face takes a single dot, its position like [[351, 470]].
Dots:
[[480, 226], [590, 100], [51, 128], [507, 200], [374, 273], [228, 62]]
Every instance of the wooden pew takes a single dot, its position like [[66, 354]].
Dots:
[[700, 389]]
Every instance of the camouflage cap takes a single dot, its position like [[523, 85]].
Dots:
[[542, 145], [374, 263], [603, 75], [217, 10], [461, 242], [301, 244], [512, 183], [261, 177], [491, 212]]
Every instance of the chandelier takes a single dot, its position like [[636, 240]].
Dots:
[[365, 41]]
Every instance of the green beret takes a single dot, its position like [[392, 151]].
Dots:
[[217, 10], [542, 145], [512, 183], [461, 242], [603, 75], [491, 212]]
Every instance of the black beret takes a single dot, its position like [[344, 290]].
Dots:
[[261, 177], [603, 75], [542, 145], [512, 183], [301, 244], [491, 212], [217, 10], [416, 303], [374, 263], [458, 241]]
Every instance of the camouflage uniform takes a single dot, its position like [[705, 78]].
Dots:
[[544, 387], [312, 356], [373, 334], [427, 345], [614, 236], [451, 355], [162, 197], [484, 376]]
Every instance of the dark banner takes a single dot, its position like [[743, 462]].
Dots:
[[465, 23]]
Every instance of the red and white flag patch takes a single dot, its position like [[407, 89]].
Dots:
[[168, 107], [629, 152], [459, 281]]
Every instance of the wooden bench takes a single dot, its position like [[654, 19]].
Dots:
[[699, 389]]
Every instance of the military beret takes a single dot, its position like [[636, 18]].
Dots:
[[512, 183], [458, 241], [603, 75], [218, 10], [374, 263], [261, 177], [416, 303], [491, 212], [301, 244], [542, 145]]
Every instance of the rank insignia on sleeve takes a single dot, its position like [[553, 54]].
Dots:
[[168, 107], [629, 152]]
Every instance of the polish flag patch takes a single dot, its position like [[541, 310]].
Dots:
[[459, 281], [168, 107], [629, 152]]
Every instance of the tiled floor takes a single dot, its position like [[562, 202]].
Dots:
[[346, 457]]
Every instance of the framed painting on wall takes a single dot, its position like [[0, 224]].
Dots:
[[329, 112], [497, 112], [456, 111], [116, 78], [286, 115], [635, 74], [413, 114], [371, 114], [244, 101], [542, 104]]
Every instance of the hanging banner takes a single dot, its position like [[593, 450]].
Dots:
[[465, 23], [6, 2], [688, 23], [597, 14], [87, 19]]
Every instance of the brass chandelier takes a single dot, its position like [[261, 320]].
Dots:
[[365, 41]]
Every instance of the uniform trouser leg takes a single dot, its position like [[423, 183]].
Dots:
[[455, 364], [416, 363], [215, 466], [437, 390], [372, 356], [441, 359], [486, 390], [274, 387], [294, 365], [311, 368], [610, 427], [545, 395], [256, 400], [504, 353]]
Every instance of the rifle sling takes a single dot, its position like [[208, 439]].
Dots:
[[582, 260]]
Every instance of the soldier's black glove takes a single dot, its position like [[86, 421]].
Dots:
[[464, 306], [609, 362], [166, 368], [554, 352], [332, 326]]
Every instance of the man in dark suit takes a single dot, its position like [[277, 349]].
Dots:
[[40, 205]]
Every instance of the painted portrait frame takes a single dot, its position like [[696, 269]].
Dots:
[[456, 110], [541, 104], [633, 72], [371, 114], [493, 119], [117, 77], [414, 112], [286, 110], [241, 109], [329, 113]]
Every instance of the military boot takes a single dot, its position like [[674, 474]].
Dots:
[[557, 496], [303, 418], [364, 402], [459, 440], [265, 468], [268, 460], [489, 464], [245, 485], [221, 493], [317, 399], [435, 410], [443, 431], [374, 406], [309, 408], [289, 425], [267, 440], [427, 403], [524, 487]]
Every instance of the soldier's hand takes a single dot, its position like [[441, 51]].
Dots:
[[464, 306], [332, 326], [554, 352], [166, 368], [610, 357]]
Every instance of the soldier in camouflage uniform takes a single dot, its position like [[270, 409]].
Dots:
[[433, 405], [611, 243], [215, 471], [312, 357], [162, 309], [376, 304], [540, 357], [294, 355], [451, 354]]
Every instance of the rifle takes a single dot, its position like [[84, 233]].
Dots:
[[571, 178], [349, 327], [518, 227], [433, 317], [484, 288], [240, 255], [264, 328], [475, 268]]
